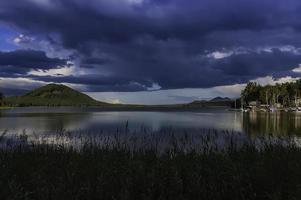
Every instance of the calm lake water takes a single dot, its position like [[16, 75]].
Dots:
[[41, 120]]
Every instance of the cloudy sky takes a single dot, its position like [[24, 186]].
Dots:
[[149, 51]]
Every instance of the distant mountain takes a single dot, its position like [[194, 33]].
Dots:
[[216, 99], [8, 92], [215, 102], [53, 95]]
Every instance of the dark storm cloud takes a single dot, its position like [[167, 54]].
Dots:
[[22, 61], [131, 46], [99, 83], [258, 63], [29, 59], [100, 20]]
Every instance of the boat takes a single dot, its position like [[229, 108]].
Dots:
[[298, 109], [272, 109]]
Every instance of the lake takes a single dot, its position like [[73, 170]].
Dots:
[[93, 120]]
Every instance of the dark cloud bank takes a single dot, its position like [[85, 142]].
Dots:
[[127, 46], [22, 61]]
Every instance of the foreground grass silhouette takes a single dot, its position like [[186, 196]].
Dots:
[[115, 170]]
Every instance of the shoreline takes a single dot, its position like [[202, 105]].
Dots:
[[6, 107], [175, 108]]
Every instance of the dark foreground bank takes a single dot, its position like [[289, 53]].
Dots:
[[270, 170]]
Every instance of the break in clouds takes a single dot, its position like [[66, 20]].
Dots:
[[143, 45]]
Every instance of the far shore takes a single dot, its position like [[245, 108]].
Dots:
[[5, 107], [175, 107]]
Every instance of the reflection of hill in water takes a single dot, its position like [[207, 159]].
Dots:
[[272, 123], [43, 122]]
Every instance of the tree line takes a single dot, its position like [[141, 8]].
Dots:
[[287, 94]]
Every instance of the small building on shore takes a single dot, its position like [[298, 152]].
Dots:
[[253, 105], [278, 105]]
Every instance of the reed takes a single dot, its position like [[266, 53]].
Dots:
[[152, 165]]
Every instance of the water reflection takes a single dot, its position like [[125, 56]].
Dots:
[[41, 120], [278, 123]]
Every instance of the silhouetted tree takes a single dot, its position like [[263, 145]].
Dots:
[[1, 98], [251, 92]]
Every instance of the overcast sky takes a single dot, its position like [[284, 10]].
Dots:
[[149, 51]]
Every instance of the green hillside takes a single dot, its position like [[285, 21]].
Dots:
[[53, 95]]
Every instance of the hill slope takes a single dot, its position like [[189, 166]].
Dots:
[[219, 99], [216, 102], [53, 95]]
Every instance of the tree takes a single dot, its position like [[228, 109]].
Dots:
[[284, 94], [275, 94], [1, 99], [265, 94], [251, 92], [296, 93]]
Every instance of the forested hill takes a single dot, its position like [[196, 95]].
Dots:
[[53, 95]]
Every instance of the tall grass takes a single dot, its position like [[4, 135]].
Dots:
[[166, 165]]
